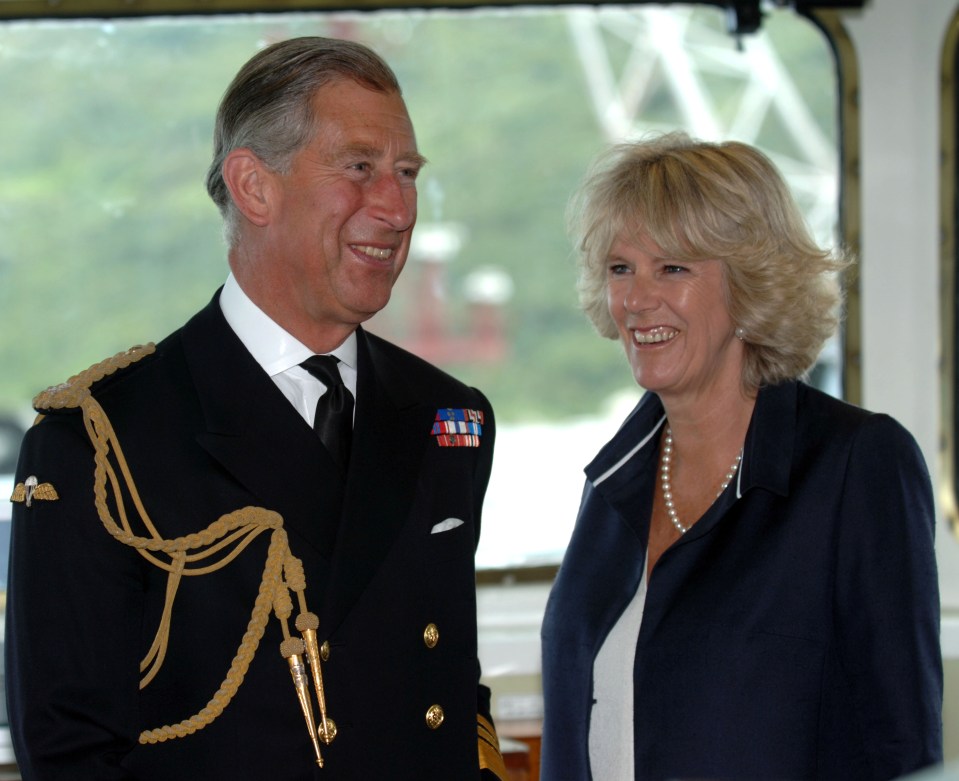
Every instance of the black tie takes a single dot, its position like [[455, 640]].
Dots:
[[333, 423]]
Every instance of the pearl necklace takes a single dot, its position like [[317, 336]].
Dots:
[[665, 471]]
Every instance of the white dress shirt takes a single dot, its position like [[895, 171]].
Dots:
[[280, 354]]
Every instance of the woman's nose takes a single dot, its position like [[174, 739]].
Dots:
[[640, 296]]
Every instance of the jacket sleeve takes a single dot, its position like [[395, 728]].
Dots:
[[492, 767], [887, 600], [73, 617]]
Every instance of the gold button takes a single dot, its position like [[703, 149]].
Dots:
[[434, 716], [326, 731], [325, 651], [431, 635]]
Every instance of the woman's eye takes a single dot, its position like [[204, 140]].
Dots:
[[670, 268], [618, 268]]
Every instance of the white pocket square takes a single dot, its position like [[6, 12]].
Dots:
[[445, 526]]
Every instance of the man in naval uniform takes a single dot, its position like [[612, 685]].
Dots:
[[205, 585]]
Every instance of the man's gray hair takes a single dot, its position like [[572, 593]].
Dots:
[[268, 107]]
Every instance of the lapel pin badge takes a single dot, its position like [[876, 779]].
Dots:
[[31, 489]]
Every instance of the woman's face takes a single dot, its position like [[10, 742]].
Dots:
[[673, 322]]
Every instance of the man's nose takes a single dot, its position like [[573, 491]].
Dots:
[[393, 202]]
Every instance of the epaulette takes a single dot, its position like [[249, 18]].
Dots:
[[72, 392]]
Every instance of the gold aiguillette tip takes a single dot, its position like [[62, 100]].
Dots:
[[292, 650]]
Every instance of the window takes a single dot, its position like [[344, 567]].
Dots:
[[109, 239]]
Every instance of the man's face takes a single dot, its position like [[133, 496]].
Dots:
[[343, 214]]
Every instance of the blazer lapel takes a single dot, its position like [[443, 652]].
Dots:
[[256, 435], [633, 451], [391, 430], [620, 469], [771, 439]]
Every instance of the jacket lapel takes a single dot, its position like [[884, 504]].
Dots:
[[392, 429], [619, 471], [634, 449], [254, 433], [767, 455], [771, 439], [623, 474]]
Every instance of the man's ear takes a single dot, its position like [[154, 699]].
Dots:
[[247, 179]]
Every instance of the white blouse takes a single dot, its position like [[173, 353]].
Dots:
[[611, 723]]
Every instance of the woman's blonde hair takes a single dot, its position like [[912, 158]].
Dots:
[[722, 201]]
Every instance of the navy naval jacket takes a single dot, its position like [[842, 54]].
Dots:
[[792, 633], [206, 432]]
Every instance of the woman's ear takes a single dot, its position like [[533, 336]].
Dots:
[[247, 179]]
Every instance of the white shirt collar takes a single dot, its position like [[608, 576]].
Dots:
[[274, 348]]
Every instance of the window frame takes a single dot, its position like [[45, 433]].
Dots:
[[948, 274]]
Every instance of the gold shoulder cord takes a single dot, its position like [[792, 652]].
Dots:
[[226, 537]]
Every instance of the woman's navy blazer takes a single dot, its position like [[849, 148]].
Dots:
[[792, 633]]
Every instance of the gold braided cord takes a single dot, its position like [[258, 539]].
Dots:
[[229, 535], [283, 608], [241, 662], [74, 390], [295, 581], [157, 652]]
